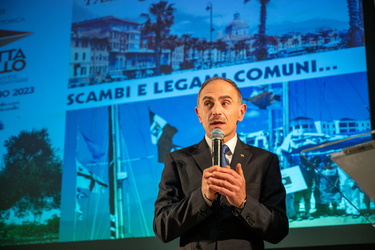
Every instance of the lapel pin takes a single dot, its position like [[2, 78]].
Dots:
[[242, 155]]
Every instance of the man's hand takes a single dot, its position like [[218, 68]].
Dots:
[[225, 181], [207, 174]]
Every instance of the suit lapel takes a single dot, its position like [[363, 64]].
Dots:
[[242, 154], [202, 155]]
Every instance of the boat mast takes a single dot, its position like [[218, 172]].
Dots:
[[115, 188], [286, 114]]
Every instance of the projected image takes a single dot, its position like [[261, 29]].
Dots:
[[114, 41], [85, 129], [119, 203]]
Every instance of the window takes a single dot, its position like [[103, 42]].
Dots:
[[83, 71]]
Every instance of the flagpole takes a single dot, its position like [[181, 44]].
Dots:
[[116, 192], [116, 157], [112, 178], [286, 115]]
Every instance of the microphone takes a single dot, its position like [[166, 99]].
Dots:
[[217, 136]]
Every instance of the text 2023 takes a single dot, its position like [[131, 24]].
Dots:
[[17, 92]]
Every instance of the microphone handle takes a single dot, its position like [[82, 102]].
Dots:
[[216, 150]]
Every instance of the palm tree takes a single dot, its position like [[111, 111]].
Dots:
[[221, 46], [170, 42], [202, 46], [185, 41], [273, 41], [239, 48], [158, 22], [261, 51], [194, 45]]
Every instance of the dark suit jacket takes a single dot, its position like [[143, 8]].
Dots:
[[181, 211]]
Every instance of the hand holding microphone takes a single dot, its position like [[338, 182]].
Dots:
[[217, 136], [223, 180]]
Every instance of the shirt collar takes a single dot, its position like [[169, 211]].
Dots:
[[231, 143]]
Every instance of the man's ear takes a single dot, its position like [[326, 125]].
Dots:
[[242, 112], [197, 112]]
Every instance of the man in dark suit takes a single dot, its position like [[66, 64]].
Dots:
[[237, 206]]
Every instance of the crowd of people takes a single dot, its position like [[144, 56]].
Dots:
[[331, 190]]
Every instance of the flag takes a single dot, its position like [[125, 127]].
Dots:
[[87, 180], [161, 135], [87, 147], [156, 129]]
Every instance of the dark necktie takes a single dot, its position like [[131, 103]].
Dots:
[[224, 150]]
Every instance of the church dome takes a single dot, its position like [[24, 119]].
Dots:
[[237, 26]]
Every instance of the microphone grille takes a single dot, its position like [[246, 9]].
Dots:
[[217, 134]]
